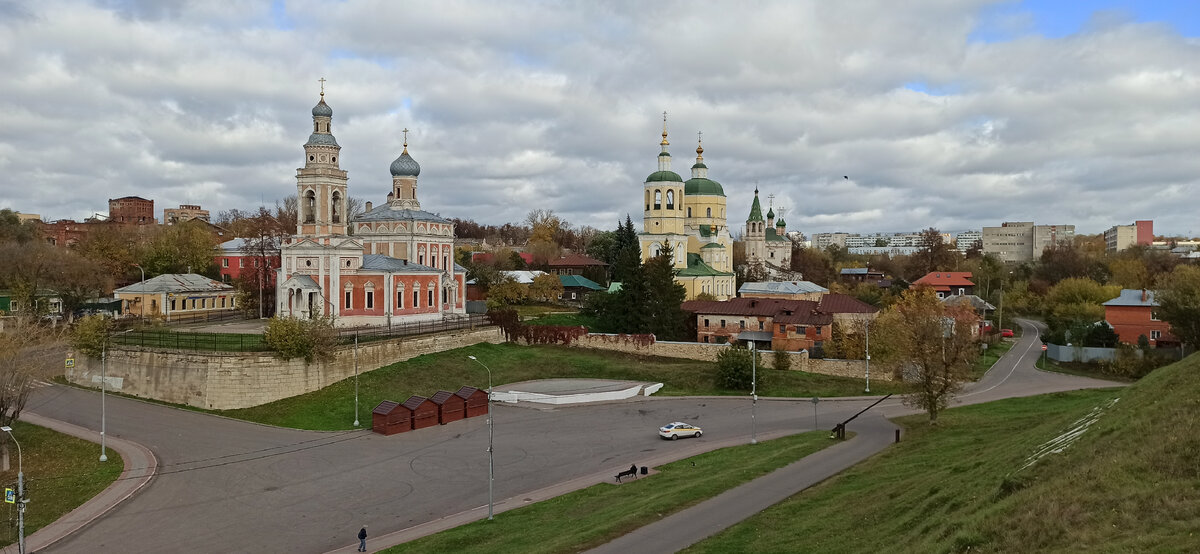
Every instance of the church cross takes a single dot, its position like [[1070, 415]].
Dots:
[[698, 135], [406, 137], [322, 81], [770, 200]]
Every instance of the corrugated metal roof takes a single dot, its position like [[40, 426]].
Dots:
[[579, 281], [1133, 297], [176, 282], [844, 304], [379, 262], [781, 287], [465, 392], [440, 397], [386, 212], [575, 260]]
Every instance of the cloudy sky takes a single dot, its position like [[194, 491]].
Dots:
[[948, 113]]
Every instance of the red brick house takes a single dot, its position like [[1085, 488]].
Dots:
[[774, 323], [948, 283], [1135, 313]]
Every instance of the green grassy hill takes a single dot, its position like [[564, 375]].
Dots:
[[1129, 482]]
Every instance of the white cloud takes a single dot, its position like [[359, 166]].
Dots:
[[518, 105]]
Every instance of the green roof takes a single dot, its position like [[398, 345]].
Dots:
[[699, 165], [659, 176], [771, 213], [780, 223], [772, 236], [755, 209], [702, 185], [667, 154], [614, 286], [706, 231], [711, 245], [697, 268], [579, 281]]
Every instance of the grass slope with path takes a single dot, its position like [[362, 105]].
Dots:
[[1129, 483], [593, 516], [332, 408], [61, 473]]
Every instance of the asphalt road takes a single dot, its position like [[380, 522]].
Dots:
[[230, 486]]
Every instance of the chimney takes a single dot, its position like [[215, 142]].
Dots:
[[1145, 295], [369, 206]]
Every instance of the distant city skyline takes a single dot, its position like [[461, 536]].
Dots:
[[858, 117]]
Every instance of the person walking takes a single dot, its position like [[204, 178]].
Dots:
[[362, 539]]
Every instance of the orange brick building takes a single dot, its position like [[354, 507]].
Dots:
[[773, 323], [1135, 313]]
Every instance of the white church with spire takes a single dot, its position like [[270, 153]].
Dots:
[[689, 217], [397, 266]]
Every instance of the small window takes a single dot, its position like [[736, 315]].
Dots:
[[241, 262], [708, 212], [670, 200], [1155, 335], [430, 298], [172, 304], [370, 300], [783, 328], [742, 324], [706, 323], [722, 323], [349, 295], [689, 212], [222, 301], [1154, 315], [416, 299], [224, 262], [399, 300], [760, 326], [658, 199], [801, 329]]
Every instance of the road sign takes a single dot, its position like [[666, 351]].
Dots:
[[10, 496], [70, 363], [1043, 348]]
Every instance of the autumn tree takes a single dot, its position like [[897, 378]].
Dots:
[[932, 345], [181, 248], [545, 288], [815, 265], [506, 292], [1074, 305], [1178, 298], [12, 229], [29, 352], [934, 254]]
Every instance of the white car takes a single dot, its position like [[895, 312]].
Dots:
[[679, 429]]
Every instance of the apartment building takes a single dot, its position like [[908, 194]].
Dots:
[[1120, 237], [1022, 241]]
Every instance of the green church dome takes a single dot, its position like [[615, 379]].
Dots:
[[702, 185], [658, 176]]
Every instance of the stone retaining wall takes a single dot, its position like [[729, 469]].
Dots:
[[708, 352], [231, 380]]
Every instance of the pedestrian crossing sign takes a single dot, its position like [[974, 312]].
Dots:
[[70, 363], [10, 496]]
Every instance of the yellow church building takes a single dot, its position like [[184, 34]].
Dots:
[[689, 216]]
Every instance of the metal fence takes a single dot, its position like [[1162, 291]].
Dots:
[[367, 334]]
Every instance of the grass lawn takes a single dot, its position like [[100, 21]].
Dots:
[[564, 319], [61, 473], [989, 358], [332, 408], [1081, 369], [1130, 483], [593, 516], [164, 338]]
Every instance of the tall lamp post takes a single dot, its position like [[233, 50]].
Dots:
[[355, 374], [868, 354], [103, 388], [20, 492], [753, 392], [491, 440], [142, 298]]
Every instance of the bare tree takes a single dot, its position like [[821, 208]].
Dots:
[[288, 212], [29, 352]]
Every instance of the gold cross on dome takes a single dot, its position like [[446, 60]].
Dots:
[[322, 81], [406, 137], [698, 135]]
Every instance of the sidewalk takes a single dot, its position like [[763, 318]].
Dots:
[[140, 467]]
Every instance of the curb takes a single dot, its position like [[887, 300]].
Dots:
[[140, 466]]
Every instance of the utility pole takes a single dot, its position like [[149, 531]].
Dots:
[[21, 500], [355, 377], [753, 392], [868, 345]]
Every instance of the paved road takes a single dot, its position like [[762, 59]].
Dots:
[[230, 486], [1013, 375]]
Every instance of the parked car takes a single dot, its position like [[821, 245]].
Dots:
[[1006, 332], [679, 429]]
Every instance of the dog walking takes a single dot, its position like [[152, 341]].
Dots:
[[362, 539]]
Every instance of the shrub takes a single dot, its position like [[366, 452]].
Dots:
[[311, 339], [734, 369], [89, 334], [782, 360]]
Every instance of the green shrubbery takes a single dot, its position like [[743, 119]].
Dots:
[[734, 369], [311, 339]]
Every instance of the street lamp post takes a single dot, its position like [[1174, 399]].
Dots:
[[491, 441], [103, 388], [868, 354], [355, 375], [753, 392], [20, 492]]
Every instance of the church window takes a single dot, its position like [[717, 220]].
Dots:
[[333, 159], [708, 212], [647, 200], [431, 297], [670, 200], [311, 158], [336, 207], [445, 262], [416, 298], [310, 207], [370, 300], [308, 263], [445, 296], [689, 212], [658, 199], [172, 303], [349, 298]]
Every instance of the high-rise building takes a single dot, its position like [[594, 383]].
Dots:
[[1022, 241], [1120, 237]]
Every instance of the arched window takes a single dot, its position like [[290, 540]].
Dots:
[[689, 212], [708, 212], [658, 199], [647, 200], [670, 200], [399, 296], [310, 207], [336, 207]]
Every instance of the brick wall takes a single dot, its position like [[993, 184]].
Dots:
[[230, 380]]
